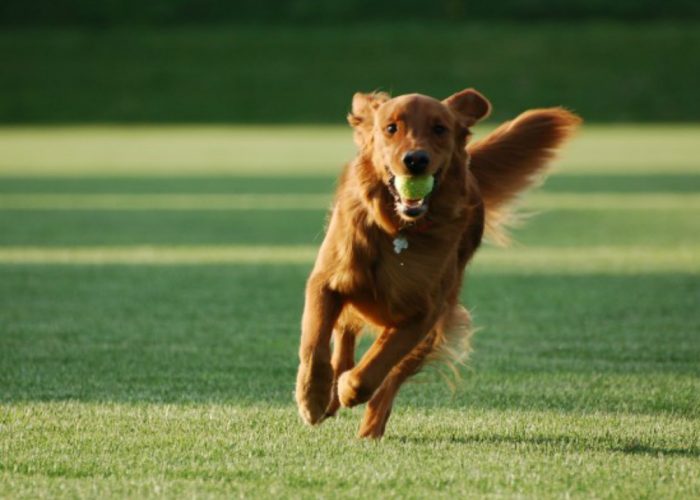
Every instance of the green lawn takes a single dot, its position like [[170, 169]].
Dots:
[[607, 71], [150, 294]]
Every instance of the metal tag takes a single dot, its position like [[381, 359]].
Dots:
[[400, 244]]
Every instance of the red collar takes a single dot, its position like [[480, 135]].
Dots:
[[421, 226]]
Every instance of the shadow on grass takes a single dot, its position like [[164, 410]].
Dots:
[[560, 443], [629, 183], [153, 184]]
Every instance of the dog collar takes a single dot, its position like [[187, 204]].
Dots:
[[401, 241]]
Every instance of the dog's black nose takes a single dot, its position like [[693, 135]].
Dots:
[[416, 161]]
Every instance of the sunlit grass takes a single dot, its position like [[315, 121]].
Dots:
[[271, 151], [521, 259], [175, 150], [193, 450], [282, 201]]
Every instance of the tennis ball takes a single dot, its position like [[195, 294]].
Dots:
[[413, 187]]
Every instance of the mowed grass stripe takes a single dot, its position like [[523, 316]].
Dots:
[[322, 183], [300, 150], [258, 201], [576, 260], [236, 254], [311, 201], [613, 201]]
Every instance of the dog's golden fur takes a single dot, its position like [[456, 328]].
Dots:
[[410, 297]]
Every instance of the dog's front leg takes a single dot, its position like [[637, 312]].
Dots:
[[315, 376], [356, 386]]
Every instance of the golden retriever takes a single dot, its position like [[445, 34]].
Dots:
[[396, 264]]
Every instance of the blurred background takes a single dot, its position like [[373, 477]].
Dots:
[[299, 61]]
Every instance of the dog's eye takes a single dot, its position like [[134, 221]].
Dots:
[[439, 129], [391, 128]]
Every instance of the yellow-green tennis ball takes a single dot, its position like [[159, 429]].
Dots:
[[412, 187]]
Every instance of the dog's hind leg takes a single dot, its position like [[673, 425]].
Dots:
[[343, 359], [379, 407]]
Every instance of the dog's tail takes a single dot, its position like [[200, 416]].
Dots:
[[514, 157]]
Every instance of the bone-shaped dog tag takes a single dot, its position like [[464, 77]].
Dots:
[[400, 244]]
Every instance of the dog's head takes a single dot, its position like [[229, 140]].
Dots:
[[413, 136]]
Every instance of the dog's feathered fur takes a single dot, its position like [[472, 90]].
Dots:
[[514, 157], [410, 298]]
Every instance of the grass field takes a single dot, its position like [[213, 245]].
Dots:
[[150, 294], [607, 71]]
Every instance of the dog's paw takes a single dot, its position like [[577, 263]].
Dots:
[[313, 391], [374, 420], [371, 431], [351, 390], [334, 405]]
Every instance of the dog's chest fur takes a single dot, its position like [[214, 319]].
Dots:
[[390, 286]]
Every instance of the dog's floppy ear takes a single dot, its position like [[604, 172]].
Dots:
[[469, 106], [361, 118]]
